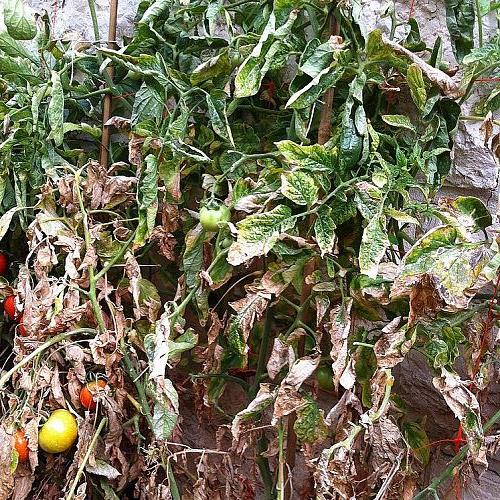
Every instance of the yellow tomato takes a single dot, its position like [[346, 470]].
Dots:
[[59, 432]]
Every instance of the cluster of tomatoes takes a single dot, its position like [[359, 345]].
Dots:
[[59, 432]]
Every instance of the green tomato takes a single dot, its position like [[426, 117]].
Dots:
[[324, 376], [210, 217], [226, 242]]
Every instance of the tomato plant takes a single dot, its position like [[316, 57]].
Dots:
[[59, 432], [318, 146]]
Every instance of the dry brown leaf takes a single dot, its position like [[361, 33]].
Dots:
[[391, 348], [339, 326]]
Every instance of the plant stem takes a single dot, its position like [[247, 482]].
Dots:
[[479, 22], [261, 362], [92, 444], [141, 394], [53, 340], [115, 258], [88, 244], [457, 459], [474, 118]]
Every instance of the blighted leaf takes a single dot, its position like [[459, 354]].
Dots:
[[339, 328], [324, 230], [465, 407], [417, 87], [470, 212], [241, 421], [6, 219], [249, 309], [102, 468], [56, 110], [449, 267], [316, 158], [288, 398], [147, 197], [212, 68], [373, 246], [156, 9], [418, 441], [165, 410], [278, 358], [18, 20], [257, 234], [391, 348], [310, 423], [399, 121], [299, 187], [401, 216]]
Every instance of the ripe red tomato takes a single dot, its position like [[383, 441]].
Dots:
[[4, 264], [9, 307], [87, 393], [21, 445], [22, 328]]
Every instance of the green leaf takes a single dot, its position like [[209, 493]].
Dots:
[[319, 59], [147, 198], [253, 69], [324, 230], [148, 103], [399, 121], [257, 234], [418, 441], [401, 216], [10, 66], [315, 158], [299, 187], [417, 87], [155, 10], [192, 260], [460, 19], [56, 110], [324, 80], [19, 22], [374, 243], [13, 48]]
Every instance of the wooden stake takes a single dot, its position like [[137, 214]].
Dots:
[[324, 132], [107, 101]]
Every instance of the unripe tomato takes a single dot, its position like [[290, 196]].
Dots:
[[211, 216], [59, 433], [324, 376], [21, 445], [22, 329], [87, 393], [9, 307], [4, 264]]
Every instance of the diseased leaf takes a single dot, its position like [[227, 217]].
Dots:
[[257, 234], [373, 246], [147, 197], [417, 86], [399, 121], [418, 441], [56, 110], [315, 158], [18, 20], [310, 425], [324, 229], [299, 187], [148, 103]]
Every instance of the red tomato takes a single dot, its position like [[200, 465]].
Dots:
[[4, 264], [21, 445], [87, 393], [22, 328], [9, 307]]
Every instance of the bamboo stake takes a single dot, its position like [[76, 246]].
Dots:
[[107, 101]]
